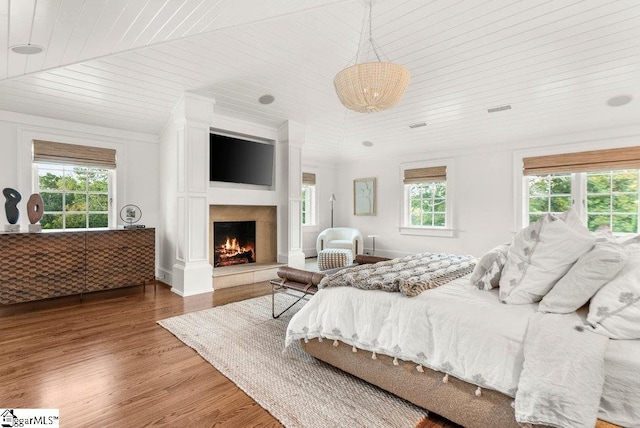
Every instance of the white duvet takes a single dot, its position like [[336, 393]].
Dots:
[[456, 329], [479, 342]]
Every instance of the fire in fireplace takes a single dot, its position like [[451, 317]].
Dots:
[[234, 242]]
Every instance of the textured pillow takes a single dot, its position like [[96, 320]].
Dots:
[[614, 311], [540, 255], [486, 274], [592, 270], [633, 240]]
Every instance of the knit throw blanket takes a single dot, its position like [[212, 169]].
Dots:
[[410, 275]]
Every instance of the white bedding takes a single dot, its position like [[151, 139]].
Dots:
[[425, 330], [456, 329], [560, 388]]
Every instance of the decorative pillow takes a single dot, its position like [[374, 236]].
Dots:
[[486, 274], [633, 240], [540, 255], [592, 270], [614, 311]]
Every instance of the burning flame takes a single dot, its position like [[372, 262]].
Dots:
[[230, 250]]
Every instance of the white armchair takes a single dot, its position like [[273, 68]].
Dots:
[[341, 237]]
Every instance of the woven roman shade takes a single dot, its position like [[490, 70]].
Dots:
[[421, 175], [596, 160], [72, 154], [308, 179]]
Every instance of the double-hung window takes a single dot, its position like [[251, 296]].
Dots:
[[308, 199], [427, 200], [75, 183], [602, 186]]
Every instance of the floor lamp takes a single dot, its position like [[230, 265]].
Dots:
[[332, 199]]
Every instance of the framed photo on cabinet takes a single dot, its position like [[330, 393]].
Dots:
[[364, 196]]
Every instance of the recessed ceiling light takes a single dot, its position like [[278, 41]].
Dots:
[[367, 143], [266, 99], [28, 49], [619, 100]]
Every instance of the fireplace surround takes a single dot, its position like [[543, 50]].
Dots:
[[265, 247]]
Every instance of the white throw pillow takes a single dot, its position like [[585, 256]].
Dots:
[[540, 255], [592, 271], [633, 240], [614, 311], [486, 274]]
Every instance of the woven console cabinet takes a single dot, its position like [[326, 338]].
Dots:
[[38, 266], [331, 258]]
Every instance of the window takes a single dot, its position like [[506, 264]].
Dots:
[[612, 200], [549, 194], [75, 183], [74, 197], [308, 199], [427, 200], [428, 203], [602, 187]]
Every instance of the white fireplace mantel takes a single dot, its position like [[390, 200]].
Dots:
[[189, 194]]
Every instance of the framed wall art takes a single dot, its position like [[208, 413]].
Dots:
[[364, 196]]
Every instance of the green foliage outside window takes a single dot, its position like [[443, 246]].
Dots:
[[549, 194], [74, 197], [611, 198], [428, 203]]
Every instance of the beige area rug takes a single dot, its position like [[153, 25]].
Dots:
[[245, 344]]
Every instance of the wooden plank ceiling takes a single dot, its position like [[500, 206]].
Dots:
[[125, 63]]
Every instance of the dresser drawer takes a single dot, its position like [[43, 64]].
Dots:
[[120, 239], [26, 244], [28, 266], [41, 287]]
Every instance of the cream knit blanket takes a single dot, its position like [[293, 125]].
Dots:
[[410, 275]]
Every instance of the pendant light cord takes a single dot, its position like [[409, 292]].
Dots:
[[373, 45]]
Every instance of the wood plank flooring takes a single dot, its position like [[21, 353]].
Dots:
[[105, 362]]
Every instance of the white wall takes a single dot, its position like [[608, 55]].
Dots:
[[487, 193], [136, 156]]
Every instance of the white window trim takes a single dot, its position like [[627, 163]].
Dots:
[[449, 230]]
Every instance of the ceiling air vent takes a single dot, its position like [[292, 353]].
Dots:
[[418, 125], [501, 108]]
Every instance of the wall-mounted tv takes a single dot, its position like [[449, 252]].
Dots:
[[237, 160]]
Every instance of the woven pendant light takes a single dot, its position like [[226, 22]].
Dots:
[[371, 86]]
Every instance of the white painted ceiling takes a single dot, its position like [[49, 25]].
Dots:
[[125, 63]]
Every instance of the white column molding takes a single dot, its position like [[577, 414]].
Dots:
[[192, 272], [289, 181]]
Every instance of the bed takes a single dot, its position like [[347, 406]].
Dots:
[[458, 350]]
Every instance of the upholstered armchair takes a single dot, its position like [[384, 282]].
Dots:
[[341, 237]]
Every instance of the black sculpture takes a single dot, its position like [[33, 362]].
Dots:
[[11, 206]]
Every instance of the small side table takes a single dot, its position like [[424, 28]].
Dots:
[[373, 238]]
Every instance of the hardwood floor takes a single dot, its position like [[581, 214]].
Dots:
[[105, 362]]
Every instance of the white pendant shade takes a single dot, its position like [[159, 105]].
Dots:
[[371, 86]]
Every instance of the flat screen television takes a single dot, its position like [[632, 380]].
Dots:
[[235, 160]]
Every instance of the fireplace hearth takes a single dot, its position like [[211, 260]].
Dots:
[[234, 242]]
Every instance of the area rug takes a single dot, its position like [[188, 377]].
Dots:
[[245, 344]]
